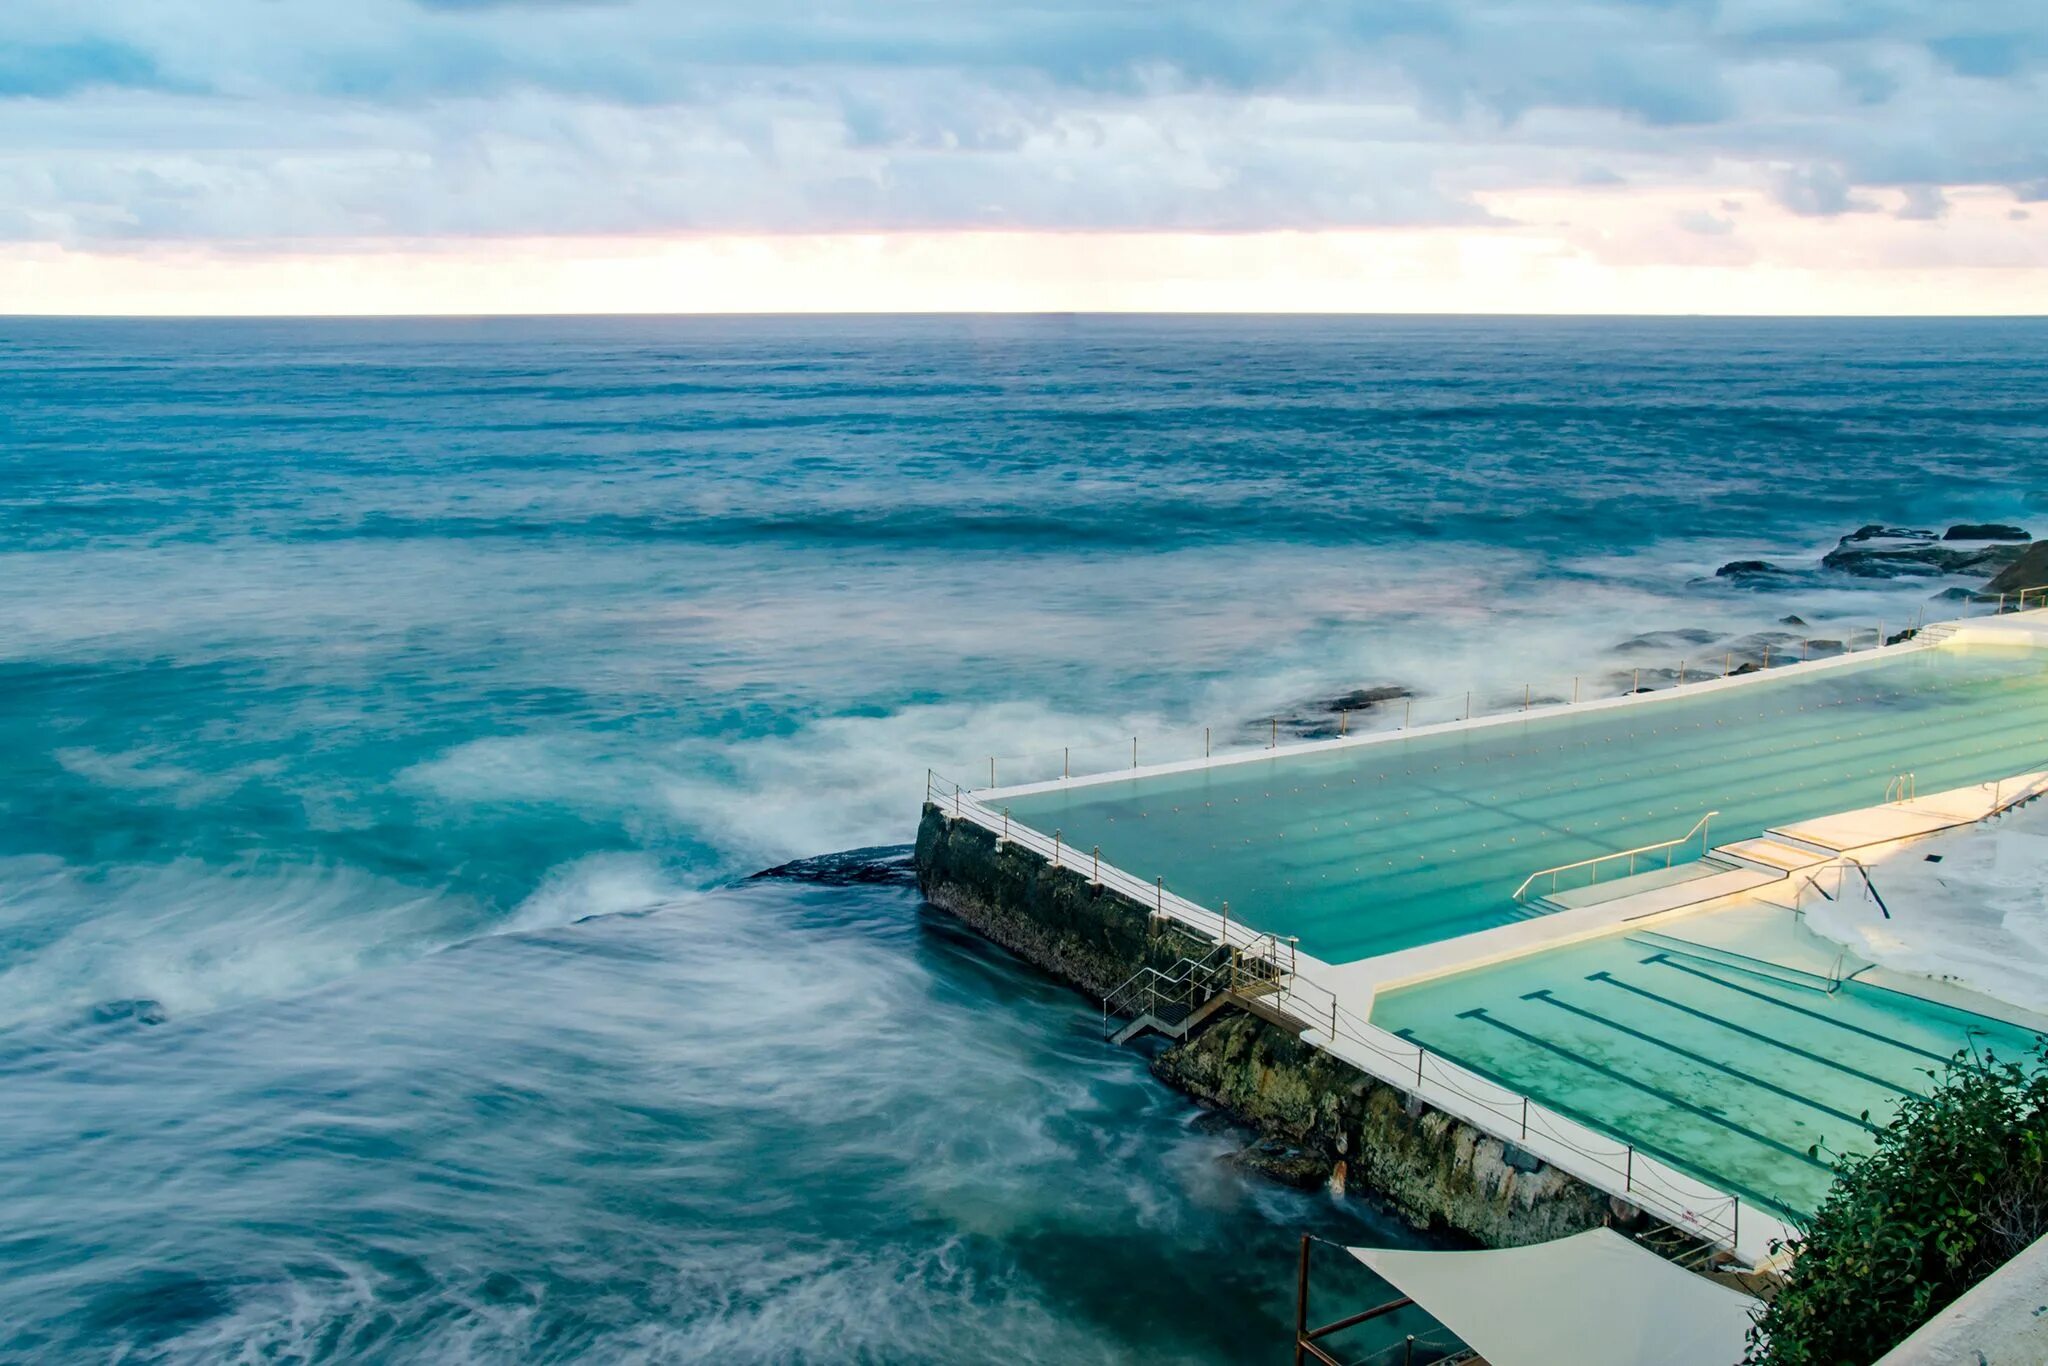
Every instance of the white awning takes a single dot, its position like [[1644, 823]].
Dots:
[[1593, 1299]]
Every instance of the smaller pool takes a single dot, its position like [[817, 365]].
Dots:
[[1728, 1044]]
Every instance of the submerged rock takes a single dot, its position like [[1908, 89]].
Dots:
[[140, 1010], [1985, 531], [1322, 718], [882, 865], [1746, 571], [1285, 1163], [1668, 640]]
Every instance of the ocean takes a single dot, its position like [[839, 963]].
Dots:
[[393, 714]]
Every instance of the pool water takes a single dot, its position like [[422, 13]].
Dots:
[[1719, 1045], [1372, 848]]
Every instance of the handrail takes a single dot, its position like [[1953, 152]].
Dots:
[[1697, 827]]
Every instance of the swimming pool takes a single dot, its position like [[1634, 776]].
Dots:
[[1371, 848], [1726, 1044]]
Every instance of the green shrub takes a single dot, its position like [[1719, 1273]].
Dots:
[[1957, 1184]]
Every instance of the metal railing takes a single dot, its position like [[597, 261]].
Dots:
[[1394, 714], [1669, 848], [1902, 788]]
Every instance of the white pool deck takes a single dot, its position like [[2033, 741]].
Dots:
[[1336, 1000]]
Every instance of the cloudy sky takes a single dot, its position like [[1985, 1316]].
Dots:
[[1551, 155]]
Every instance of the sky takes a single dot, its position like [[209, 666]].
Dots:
[[399, 156]]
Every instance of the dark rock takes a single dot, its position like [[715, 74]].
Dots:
[[1902, 636], [1322, 718], [1521, 1161], [141, 1010], [1955, 594], [1747, 666], [1791, 621], [1670, 640], [1285, 1163], [1364, 699], [1875, 531], [2028, 570], [1750, 569], [1876, 552], [1985, 531], [884, 865]]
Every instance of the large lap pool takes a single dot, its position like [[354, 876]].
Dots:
[[1370, 848]]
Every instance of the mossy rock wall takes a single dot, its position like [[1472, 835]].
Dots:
[[1089, 935], [1368, 1136], [1439, 1171]]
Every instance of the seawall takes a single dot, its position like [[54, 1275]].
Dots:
[[1347, 1129]]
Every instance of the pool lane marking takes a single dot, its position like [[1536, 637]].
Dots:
[[1722, 1180], [1666, 961], [1611, 980], [1700, 1058], [1479, 1013]]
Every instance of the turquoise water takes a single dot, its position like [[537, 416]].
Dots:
[[1378, 847], [387, 709], [1732, 1068]]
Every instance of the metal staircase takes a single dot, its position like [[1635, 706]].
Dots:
[[1252, 976]]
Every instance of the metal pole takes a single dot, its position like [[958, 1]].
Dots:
[[1205, 742], [1681, 673], [1343, 722], [1097, 879], [1628, 1179], [1134, 751], [991, 770], [1525, 697], [1525, 1118], [1055, 848], [1407, 705], [1735, 1233], [1274, 743], [1066, 761], [1301, 1304], [1226, 922], [1006, 825], [1727, 664], [1408, 1356], [1638, 687], [1575, 689], [1468, 704], [1880, 634], [1159, 899]]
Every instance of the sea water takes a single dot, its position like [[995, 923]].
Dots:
[[392, 712]]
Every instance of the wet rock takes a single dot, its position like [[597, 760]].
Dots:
[[1985, 531], [1955, 594], [2028, 570], [1669, 640], [883, 865], [1323, 718], [141, 1011], [1880, 552], [1750, 571], [1792, 621], [1285, 1163], [1364, 699]]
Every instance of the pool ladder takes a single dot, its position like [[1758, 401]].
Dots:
[[1902, 788]]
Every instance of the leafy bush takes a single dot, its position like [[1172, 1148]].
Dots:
[[1957, 1184]]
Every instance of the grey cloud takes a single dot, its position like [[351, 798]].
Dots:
[[1923, 203], [244, 118]]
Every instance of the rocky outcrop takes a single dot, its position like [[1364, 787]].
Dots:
[[1985, 531], [1881, 552], [2030, 570]]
